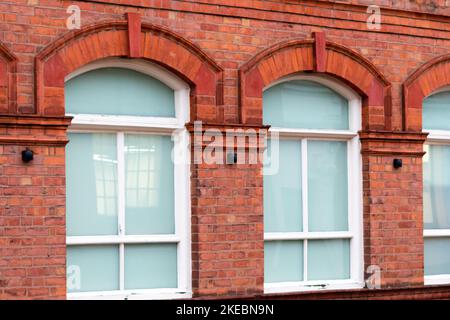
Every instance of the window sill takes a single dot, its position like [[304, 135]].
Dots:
[[292, 287], [150, 294]]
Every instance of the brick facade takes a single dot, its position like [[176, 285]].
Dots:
[[227, 51]]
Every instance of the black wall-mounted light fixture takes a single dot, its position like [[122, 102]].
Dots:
[[398, 163], [27, 155], [232, 158]]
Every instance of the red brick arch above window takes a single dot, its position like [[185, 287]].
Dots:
[[319, 56], [430, 77], [129, 39], [7, 81]]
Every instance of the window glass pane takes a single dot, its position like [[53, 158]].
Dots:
[[436, 187], [283, 261], [327, 186], [149, 180], [304, 104], [436, 111], [283, 191], [117, 91], [328, 259], [91, 161], [437, 256], [92, 268], [150, 266]]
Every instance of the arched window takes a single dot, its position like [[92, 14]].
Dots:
[[127, 182], [436, 187], [312, 203]]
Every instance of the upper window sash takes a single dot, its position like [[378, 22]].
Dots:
[[436, 111]]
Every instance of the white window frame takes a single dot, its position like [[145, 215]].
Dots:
[[355, 206], [437, 137], [122, 125]]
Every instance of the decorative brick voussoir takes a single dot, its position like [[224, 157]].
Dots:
[[133, 39], [317, 54], [431, 76]]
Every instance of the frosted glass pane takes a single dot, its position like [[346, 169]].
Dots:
[[150, 266], [149, 179], [437, 256], [283, 261], [327, 186], [91, 173], [92, 268], [328, 259], [436, 187], [117, 91], [283, 191], [436, 111], [304, 104]]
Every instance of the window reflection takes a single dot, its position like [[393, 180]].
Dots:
[[142, 178], [149, 184], [105, 168]]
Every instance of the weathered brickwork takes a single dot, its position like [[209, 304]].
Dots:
[[227, 51]]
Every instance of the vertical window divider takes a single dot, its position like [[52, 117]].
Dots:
[[121, 204], [304, 164]]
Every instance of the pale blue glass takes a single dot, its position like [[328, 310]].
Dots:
[[436, 187], [92, 268], [283, 190], [305, 104], [91, 180], [283, 261], [149, 266], [118, 91], [436, 111], [437, 256], [327, 186], [149, 183], [328, 259]]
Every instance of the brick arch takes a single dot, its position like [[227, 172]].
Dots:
[[130, 39], [428, 78], [8, 82], [319, 56]]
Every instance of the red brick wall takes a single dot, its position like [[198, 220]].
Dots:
[[220, 39], [32, 212]]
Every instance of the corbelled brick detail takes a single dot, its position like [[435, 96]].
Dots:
[[296, 56]]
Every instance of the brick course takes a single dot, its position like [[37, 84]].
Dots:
[[227, 51]]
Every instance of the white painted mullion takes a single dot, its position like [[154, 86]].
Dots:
[[122, 267], [354, 208], [304, 168], [121, 203], [182, 212]]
